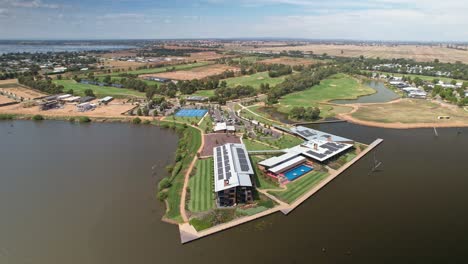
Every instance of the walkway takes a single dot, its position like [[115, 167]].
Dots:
[[188, 232]]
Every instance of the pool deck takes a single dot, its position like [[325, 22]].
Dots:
[[188, 232]]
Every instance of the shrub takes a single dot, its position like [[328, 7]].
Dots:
[[162, 196], [71, 120], [38, 118], [6, 117], [164, 184], [84, 119], [136, 121], [146, 122]]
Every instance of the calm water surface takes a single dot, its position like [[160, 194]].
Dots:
[[382, 95], [85, 194]]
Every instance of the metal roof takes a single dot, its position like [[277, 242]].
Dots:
[[232, 167]]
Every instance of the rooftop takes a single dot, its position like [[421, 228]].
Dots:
[[232, 167]]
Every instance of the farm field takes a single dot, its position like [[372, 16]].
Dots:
[[409, 111], [254, 80], [19, 91], [99, 91], [163, 69], [289, 61], [300, 186], [201, 188], [193, 73], [339, 86], [418, 53]]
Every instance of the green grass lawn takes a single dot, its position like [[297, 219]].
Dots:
[[261, 182], [189, 142], [205, 93], [285, 141], [201, 187], [207, 124], [254, 145], [78, 89], [162, 69], [117, 78], [254, 80], [186, 120], [300, 186], [339, 86]]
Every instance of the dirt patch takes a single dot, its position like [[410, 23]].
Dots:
[[207, 55], [20, 91], [195, 73], [288, 61], [218, 139], [5, 100], [415, 52], [112, 110]]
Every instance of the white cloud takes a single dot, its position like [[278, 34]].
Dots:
[[28, 4]]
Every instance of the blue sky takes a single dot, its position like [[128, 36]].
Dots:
[[421, 20]]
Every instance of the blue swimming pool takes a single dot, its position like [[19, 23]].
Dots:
[[297, 172], [191, 113]]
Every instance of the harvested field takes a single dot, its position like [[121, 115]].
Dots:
[[195, 73], [288, 61], [5, 100], [218, 139], [112, 110], [408, 113], [207, 55], [20, 91], [418, 53], [124, 64]]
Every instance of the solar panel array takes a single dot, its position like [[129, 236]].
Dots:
[[243, 160], [306, 133], [223, 163]]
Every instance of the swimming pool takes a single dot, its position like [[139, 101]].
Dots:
[[191, 113], [297, 172]]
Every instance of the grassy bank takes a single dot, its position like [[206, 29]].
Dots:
[[300, 186], [338, 86], [201, 187]]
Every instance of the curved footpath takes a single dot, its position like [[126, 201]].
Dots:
[[188, 232]]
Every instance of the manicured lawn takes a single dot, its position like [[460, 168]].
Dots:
[[261, 182], [300, 186], [164, 69], [285, 141], [185, 120], [78, 89], [410, 111], [422, 77], [254, 145], [260, 117], [117, 78], [201, 187], [252, 211], [205, 93], [255, 80], [339, 86]]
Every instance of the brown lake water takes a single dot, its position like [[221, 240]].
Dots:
[[85, 194]]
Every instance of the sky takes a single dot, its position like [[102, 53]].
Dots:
[[398, 20]]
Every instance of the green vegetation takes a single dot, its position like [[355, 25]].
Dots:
[[84, 119], [100, 91], [186, 120], [261, 180], [215, 217], [251, 211], [254, 80], [37, 118], [205, 93], [201, 187], [259, 115], [164, 69], [189, 143], [338, 86], [285, 141], [136, 121], [256, 145], [207, 124], [300, 186], [7, 117]]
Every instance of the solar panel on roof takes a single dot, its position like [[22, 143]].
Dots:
[[315, 154]]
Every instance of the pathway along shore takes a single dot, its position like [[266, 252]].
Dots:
[[188, 232]]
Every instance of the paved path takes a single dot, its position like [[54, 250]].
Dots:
[[188, 232]]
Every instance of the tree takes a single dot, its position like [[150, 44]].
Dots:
[[70, 91], [136, 120], [59, 77], [139, 112], [107, 79], [89, 92]]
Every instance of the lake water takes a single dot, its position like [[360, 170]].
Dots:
[[85, 194], [7, 48], [382, 95]]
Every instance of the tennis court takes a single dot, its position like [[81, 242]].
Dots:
[[191, 113], [297, 172]]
